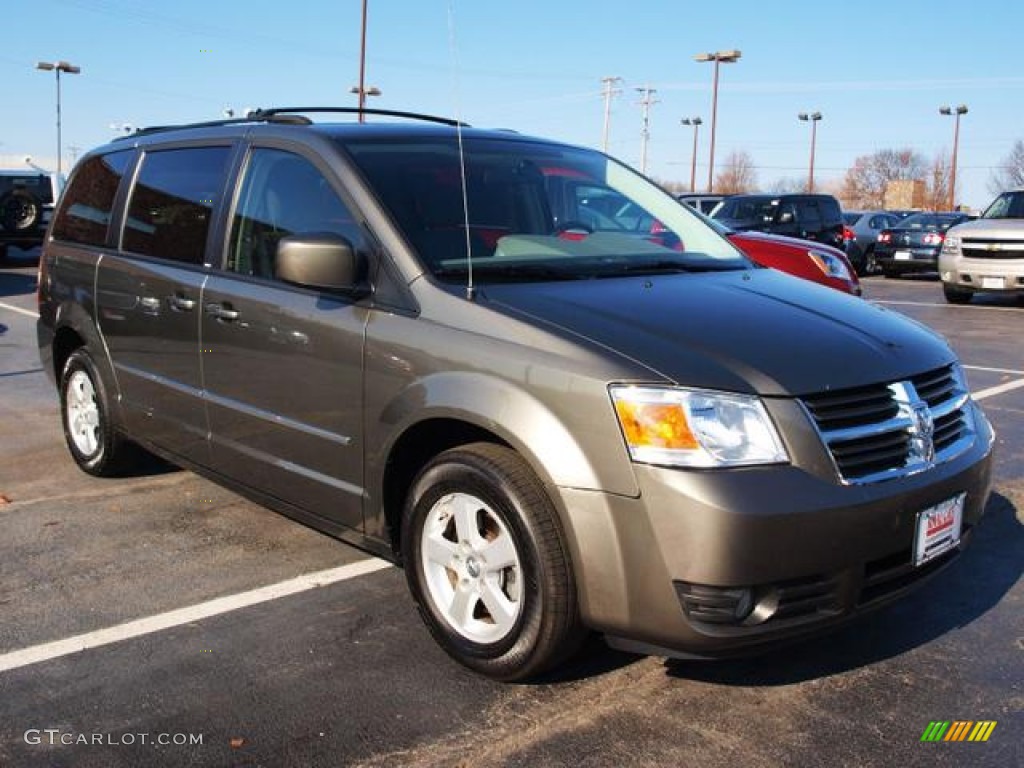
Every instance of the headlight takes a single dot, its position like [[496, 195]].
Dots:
[[696, 428], [830, 264], [951, 244]]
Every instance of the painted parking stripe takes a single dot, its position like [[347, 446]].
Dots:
[[192, 613], [898, 303], [1009, 371], [999, 389], [19, 310]]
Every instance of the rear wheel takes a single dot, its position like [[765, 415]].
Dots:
[[20, 211], [956, 295], [95, 445], [870, 262], [487, 563]]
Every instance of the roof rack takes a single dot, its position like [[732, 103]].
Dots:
[[293, 116]]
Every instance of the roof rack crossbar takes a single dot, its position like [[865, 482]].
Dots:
[[293, 116], [266, 113]]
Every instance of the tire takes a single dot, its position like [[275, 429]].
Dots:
[[517, 615], [956, 295], [95, 445], [20, 211], [870, 263]]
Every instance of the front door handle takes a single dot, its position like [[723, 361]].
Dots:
[[222, 312], [181, 303]]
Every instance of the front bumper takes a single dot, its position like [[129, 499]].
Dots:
[[813, 552], [996, 275]]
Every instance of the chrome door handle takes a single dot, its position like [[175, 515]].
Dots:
[[221, 312], [181, 303]]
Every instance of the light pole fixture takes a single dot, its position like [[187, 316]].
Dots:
[[956, 112], [363, 93], [721, 57], [812, 118], [58, 67], [696, 122]]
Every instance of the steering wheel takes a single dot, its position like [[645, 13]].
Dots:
[[572, 227]]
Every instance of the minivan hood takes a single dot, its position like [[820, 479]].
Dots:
[[753, 331]]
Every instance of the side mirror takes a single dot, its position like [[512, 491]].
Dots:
[[322, 260]]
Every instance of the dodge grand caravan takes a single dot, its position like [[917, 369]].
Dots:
[[417, 337]]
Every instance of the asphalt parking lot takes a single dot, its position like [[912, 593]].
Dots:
[[219, 633]]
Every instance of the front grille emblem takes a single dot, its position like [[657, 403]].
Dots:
[[921, 429], [922, 433]]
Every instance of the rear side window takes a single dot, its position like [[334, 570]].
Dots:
[[172, 203], [85, 213]]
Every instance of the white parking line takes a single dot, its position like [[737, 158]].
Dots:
[[895, 302], [19, 310], [998, 389], [58, 648], [1010, 371]]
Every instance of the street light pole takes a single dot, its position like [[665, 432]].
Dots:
[[696, 123], [960, 110], [58, 67], [721, 57], [813, 119]]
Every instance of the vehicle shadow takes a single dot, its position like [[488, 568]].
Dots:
[[955, 598], [16, 283]]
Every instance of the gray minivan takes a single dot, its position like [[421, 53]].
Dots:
[[465, 352]]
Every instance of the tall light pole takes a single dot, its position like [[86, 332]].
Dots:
[[609, 90], [812, 118], [58, 67], [696, 122], [646, 102], [361, 90], [957, 111], [721, 57]]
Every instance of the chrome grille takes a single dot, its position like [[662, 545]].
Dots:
[[989, 248], [890, 430]]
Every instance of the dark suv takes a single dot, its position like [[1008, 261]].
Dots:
[[26, 205], [809, 217], [471, 352]]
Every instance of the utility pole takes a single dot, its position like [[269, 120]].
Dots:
[[609, 89], [646, 102]]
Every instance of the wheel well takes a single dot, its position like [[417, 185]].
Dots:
[[64, 343], [411, 453]]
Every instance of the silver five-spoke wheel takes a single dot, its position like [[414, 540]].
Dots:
[[83, 413], [471, 567]]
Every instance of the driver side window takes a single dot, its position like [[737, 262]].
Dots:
[[282, 194]]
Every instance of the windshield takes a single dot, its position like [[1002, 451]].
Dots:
[[1009, 205], [535, 211]]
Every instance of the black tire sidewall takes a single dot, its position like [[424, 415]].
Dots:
[[20, 197], [465, 473], [96, 464]]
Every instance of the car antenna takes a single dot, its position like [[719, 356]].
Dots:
[[470, 287]]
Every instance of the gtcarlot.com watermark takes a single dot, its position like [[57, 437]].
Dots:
[[57, 737]]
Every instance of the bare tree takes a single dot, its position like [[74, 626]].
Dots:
[[937, 183], [865, 182], [1010, 174], [737, 175], [787, 184]]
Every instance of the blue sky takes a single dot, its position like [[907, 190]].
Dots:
[[878, 71]]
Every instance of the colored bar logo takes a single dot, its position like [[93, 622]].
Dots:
[[958, 730]]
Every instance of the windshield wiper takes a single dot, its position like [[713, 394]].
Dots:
[[676, 265], [489, 270]]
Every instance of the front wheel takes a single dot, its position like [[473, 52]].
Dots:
[[956, 295], [488, 565], [95, 445]]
